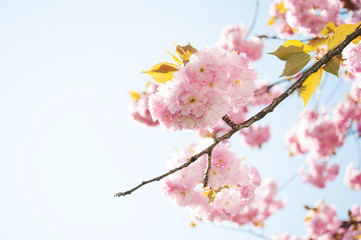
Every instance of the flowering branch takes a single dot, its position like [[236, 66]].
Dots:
[[325, 59]]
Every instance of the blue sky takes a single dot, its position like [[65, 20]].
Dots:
[[67, 145]]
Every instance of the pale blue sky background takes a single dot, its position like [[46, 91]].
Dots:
[[66, 144]]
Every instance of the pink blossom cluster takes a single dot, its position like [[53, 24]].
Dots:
[[318, 172], [322, 222], [315, 133], [307, 16], [255, 135], [233, 191], [213, 82], [138, 107], [352, 59], [352, 177], [262, 207], [278, 16], [354, 231], [234, 38]]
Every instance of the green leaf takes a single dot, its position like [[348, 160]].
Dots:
[[340, 34], [295, 63], [333, 66], [290, 47], [309, 86], [162, 72]]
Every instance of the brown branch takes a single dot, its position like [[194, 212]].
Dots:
[[206, 172], [347, 224], [228, 121], [326, 58]]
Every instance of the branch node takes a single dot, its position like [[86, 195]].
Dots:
[[229, 122]]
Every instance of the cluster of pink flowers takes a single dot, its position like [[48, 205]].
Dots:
[[353, 232], [208, 87], [138, 107], [256, 135], [262, 207], [322, 222], [352, 58], [233, 38], [353, 177], [307, 17], [232, 187], [278, 17], [318, 172], [315, 133], [320, 135]]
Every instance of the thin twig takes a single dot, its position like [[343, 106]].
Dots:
[[326, 58], [293, 177], [254, 18], [268, 37], [206, 172], [278, 38]]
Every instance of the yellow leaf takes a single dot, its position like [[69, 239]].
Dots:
[[340, 34], [290, 47], [271, 21], [358, 237], [135, 95], [314, 43], [185, 51], [295, 63], [162, 72], [186, 56], [329, 28], [307, 218], [280, 8], [333, 66], [177, 60], [309, 86], [192, 224]]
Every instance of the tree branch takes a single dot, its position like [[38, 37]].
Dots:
[[326, 58], [206, 172]]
